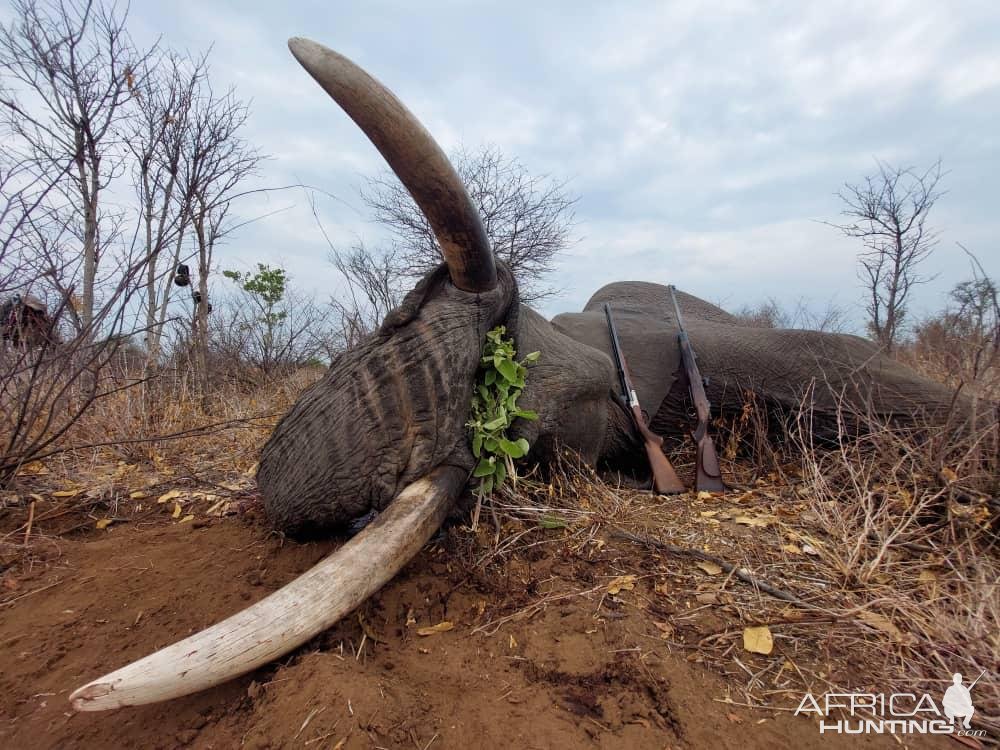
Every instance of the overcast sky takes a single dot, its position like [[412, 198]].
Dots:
[[706, 140]]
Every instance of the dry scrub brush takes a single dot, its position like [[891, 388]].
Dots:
[[159, 419], [897, 589], [910, 523]]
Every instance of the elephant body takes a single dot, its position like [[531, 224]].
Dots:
[[395, 407]]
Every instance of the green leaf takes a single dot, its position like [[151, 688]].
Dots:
[[527, 414], [501, 473], [533, 357], [523, 443], [514, 449], [508, 369], [485, 468], [496, 424], [477, 444], [487, 485], [490, 378], [491, 444], [552, 522]]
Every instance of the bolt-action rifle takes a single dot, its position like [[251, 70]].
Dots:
[[665, 479], [708, 477]]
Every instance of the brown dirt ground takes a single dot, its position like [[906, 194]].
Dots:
[[559, 660]]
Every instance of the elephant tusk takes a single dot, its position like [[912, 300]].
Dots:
[[414, 156], [290, 616]]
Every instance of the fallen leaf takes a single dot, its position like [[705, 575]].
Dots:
[[949, 475], [188, 517], [36, 468], [758, 640], [792, 614], [621, 583], [792, 549], [367, 629], [512, 643], [66, 493], [883, 623], [927, 576], [710, 568], [168, 496], [441, 627], [708, 597], [410, 620], [665, 628], [552, 522], [709, 513], [138, 495], [104, 523], [760, 521], [177, 511], [704, 495], [810, 550]]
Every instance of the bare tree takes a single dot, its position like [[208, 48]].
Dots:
[[76, 60], [374, 289], [888, 212], [961, 344], [216, 160], [164, 96], [772, 314], [528, 219]]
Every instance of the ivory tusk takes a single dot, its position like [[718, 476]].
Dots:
[[414, 156], [290, 616]]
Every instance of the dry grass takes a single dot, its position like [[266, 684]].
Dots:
[[135, 445], [892, 558]]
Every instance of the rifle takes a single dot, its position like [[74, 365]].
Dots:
[[665, 479], [708, 477]]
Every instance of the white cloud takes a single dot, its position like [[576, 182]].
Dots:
[[705, 138]]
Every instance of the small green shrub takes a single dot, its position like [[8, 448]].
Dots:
[[499, 382]]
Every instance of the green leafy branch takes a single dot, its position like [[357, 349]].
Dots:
[[499, 382]]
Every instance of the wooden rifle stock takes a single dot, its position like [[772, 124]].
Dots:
[[665, 479], [708, 476]]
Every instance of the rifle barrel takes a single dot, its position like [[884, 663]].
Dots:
[[677, 309], [977, 679]]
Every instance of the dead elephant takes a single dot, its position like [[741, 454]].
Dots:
[[384, 429]]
